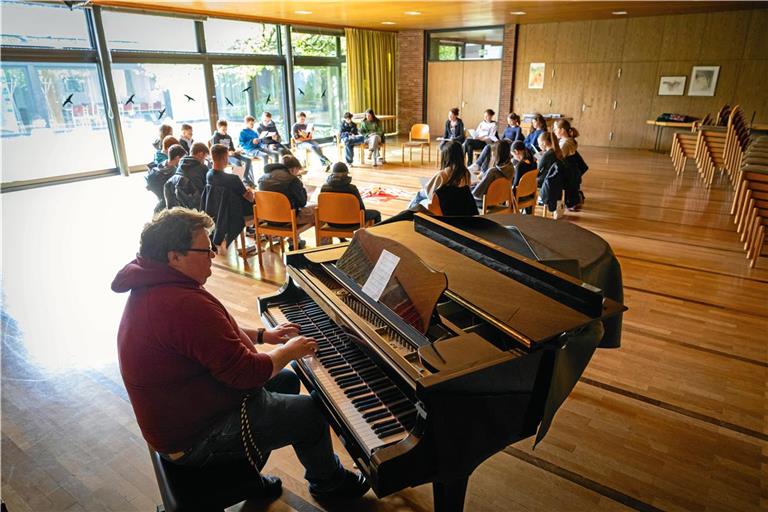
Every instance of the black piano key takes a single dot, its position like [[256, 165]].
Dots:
[[384, 424], [357, 391], [390, 431], [368, 406], [349, 382], [372, 416], [364, 400]]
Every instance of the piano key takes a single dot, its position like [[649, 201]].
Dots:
[[391, 431]]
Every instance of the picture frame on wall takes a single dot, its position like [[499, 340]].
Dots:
[[536, 75], [672, 85], [703, 80]]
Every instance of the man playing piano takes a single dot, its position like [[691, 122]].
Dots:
[[189, 368]]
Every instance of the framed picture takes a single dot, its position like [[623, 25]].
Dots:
[[536, 75], [703, 80], [672, 85]]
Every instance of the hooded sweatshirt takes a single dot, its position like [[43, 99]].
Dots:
[[277, 178], [184, 360], [191, 167], [342, 182]]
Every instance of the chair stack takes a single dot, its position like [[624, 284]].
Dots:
[[710, 149], [736, 142], [751, 201], [683, 148]]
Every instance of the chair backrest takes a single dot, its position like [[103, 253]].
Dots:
[[526, 187], [271, 207], [419, 133], [338, 208], [434, 206], [499, 191]]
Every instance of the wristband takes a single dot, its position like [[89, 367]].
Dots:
[[260, 336]]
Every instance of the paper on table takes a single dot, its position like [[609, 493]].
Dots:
[[380, 275]]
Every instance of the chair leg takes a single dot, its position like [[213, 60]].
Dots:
[[402, 153], [244, 249], [760, 240]]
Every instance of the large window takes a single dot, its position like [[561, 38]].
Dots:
[[47, 26], [249, 90], [469, 44], [53, 121], [318, 94], [226, 36], [162, 94], [128, 31], [314, 44]]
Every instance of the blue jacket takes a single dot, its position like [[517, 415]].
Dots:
[[532, 141], [246, 139], [347, 130]]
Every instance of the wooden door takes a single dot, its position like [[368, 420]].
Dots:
[[636, 88], [443, 93], [597, 103], [481, 83]]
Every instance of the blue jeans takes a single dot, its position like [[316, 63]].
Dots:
[[278, 416], [420, 196], [349, 146], [485, 158]]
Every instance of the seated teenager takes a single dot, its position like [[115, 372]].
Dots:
[[186, 137], [373, 131], [512, 133], [285, 178], [302, 136], [453, 174], [268, 133], [522, 160], [207, 392], [503, 169], [341, 181], [164, 131], [162, 156], [159, 175], [350, 136], [566, 136], [218, 178], [484, 134], [454, 128], [251, 143], [185, 187], [551, 168], [538, 126], [236, 157]]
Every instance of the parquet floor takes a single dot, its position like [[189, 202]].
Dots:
[[676, 419]]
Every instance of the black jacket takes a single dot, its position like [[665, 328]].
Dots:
[[226, 210], [341, 182], [180, 191], [459, 131], [547, 160], [277, 178], [347, 130], [194, 170]]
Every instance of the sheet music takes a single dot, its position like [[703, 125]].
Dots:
[[377, 281]]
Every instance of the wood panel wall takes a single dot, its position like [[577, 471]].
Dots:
[[601, 62]]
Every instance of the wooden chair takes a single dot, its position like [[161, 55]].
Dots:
[[295, 149], [273, 216], [756, 216], [338, 208], [340, 145], [683, 148], [382, 151], [525, 193], [709, 152], [499, 193], [417, 138], [434, 206]]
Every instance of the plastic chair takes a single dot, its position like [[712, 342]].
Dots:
[[499, 193], [418, 138], [273, 216], [340, 209], [525, 192]]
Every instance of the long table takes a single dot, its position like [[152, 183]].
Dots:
[[660, 125]]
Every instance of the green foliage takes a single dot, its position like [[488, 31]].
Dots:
[[448, 53], [317, 45]]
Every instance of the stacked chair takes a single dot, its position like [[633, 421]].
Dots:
[[751, 201]]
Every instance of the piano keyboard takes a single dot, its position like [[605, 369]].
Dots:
[[374, 408]]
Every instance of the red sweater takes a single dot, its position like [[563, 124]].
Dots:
[[183, 358]]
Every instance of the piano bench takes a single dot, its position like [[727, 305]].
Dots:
[[185, 489]]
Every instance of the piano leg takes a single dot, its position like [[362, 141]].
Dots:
[[449, 496]]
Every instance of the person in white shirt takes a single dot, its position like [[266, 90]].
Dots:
[[486, 132]]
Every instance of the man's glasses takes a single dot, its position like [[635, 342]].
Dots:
[[209, 250]]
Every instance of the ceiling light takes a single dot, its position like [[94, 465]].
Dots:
[[303, 12], [518, 13], [387, 22], [412, 13], [619, 13]]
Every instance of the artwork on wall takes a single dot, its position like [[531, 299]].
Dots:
[[703, 80], [536, 75], [672, 86]]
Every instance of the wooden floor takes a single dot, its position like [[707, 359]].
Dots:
[[677, 419]]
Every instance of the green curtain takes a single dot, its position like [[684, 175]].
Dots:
[[371, 78]]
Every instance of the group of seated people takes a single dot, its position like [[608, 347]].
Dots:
[[553, 155]]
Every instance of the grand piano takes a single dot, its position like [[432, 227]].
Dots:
[[436, 347]]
